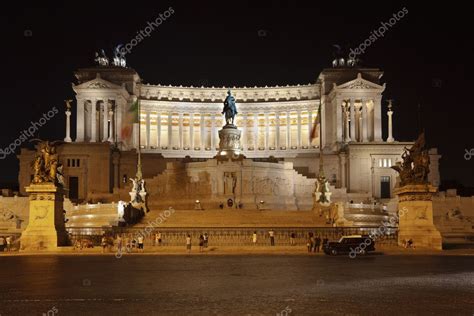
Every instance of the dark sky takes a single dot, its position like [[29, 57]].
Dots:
[[426, 57]]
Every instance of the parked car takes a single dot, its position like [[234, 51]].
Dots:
[[358, 244]]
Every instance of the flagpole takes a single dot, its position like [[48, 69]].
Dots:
[[321, 170], [139, 163]]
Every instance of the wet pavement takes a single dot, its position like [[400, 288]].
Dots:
[[236, 285]]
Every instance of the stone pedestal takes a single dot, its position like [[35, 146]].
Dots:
[[229, 144], [46, 229], [416, 216]]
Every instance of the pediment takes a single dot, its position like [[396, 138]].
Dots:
[[97, 83], [360, 84]]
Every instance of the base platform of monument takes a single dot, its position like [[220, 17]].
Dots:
[[233, 218], [46, 230], [416, 216]]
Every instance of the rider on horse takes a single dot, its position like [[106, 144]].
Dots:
[[230, 109]]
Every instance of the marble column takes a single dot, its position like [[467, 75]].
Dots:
[[147, 122], [365, 121], [277, 130], [158, 130], [213, 131], [191, 131], [346, 123], [390, 138], [111, 124], [118, 120], [93, 121], [339, 127], [378, 119], [255, 130], [80, 123], [353, 122], [288, 130], [180, 131], [299, 129], [170, 130], [68, 139], [310, 126], [267, 132], [105, 119], [244, 132], [203, 136]]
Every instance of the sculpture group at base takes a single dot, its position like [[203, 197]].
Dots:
[[416, 164], [415, 198], [46, 165], [46, 227]]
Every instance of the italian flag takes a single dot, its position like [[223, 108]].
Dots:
[[131, 117]]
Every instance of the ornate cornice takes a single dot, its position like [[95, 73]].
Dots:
[[216, 108], [242, 94]]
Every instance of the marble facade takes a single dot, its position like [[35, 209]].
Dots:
[[181, 124]]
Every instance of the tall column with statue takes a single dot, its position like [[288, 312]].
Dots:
[[46, 228], [68, 139], [415, 195]]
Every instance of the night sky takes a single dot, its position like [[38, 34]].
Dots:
[[426, 57]]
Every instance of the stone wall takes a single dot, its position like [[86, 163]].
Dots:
[[14, 214], [454, 217], [211, 182]]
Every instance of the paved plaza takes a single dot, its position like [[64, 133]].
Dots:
[[236, 285]]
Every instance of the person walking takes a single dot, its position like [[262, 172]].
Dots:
[[2, 244], [325, 241], [140, 243], [201, 242], [158, 239], [312, 242], [308, 243], [134, 242], [9, 243], [188, 243], [317, 243], [119, 243], [128, 244], [103, 243], [206, 240], [292, 238], [271, 233], [254, 238]]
